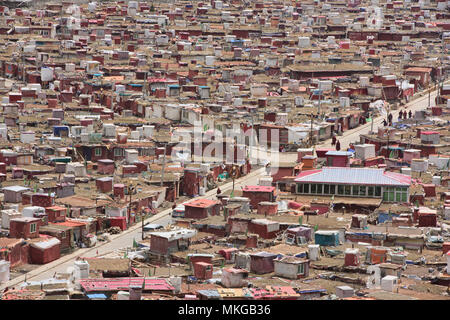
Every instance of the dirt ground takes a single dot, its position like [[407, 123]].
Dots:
[[22, 269]]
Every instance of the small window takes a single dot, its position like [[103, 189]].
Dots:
[[313, 188], [404, 197], [355, 190], [332, 189], [370, 191], [377, 191], [319, 189], [301, 269], [340, 189], [348, 190], [118, 152], [306, 188], [63, 235], [362, 190], [98, 152], [300, 188], [326, 189], [290, 239], [391, 196], [32, 227]]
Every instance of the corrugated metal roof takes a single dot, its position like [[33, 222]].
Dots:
[[117, 284], [263, 254], [258, 189], [209, 293], [201, 203], [338, 153], [364, 176]]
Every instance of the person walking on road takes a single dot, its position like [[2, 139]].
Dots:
[[390, 119], [338, 146]]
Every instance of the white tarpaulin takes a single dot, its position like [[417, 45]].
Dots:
[[46, 74], [380, 105], [46, 244]]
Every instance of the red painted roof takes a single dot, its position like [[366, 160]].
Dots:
[[204, 264], [151, 80], [429, 132], [258, 189], [56, 208], [228, 250], [418, 69], [71, 223], [201, 203], [117, 284], [307, 173], [399, 177]]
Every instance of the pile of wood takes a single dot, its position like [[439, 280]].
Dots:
[[113, 230]]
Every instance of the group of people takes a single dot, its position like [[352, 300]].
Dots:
[[401, 115], [335, 142]]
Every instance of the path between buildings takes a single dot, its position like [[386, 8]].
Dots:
[[117, 240]]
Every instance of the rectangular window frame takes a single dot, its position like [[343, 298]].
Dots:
[[118, 152], [332, 189], [306, 188], [301, 269], [355, 190], [377, 191], [319, 189], [362, 191], [405, 197], [347, 190]]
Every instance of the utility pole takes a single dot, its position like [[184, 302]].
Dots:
[[371, 122], [320, 96], [387, 147], [429, 97], [163, 164], [130, 191], [142, 218], [311, 132], [251, 138]]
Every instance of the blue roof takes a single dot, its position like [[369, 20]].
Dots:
[[345, 175], [338, 153], [264, 254], [311, 291], [209, 293], [96, 296]]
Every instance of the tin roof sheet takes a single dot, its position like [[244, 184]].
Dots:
[[117, 284], [258, 189], [364, 176]]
